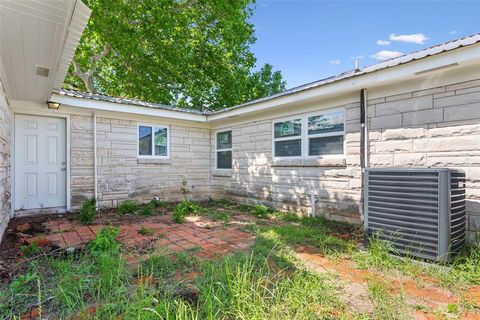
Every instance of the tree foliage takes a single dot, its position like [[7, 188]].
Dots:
[[190, 53]]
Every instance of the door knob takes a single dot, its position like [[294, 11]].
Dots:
[[63, 169]]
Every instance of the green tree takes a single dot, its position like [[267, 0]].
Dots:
[[190, 53]]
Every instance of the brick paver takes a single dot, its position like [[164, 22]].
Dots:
[[212, 241]]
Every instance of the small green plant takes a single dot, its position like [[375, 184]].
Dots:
[[127, 206], [148, 209], [144, 231], [30, 250], [184, 188], [260, 211], [105, 241], [184, 208], [88, 211], [160, 203], [178, 216]]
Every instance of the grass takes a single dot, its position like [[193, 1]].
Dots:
[[270, 282]]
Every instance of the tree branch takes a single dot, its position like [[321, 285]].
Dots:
[[87, 77]]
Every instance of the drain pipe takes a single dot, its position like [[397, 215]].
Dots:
[[95, 158], [363, 146]]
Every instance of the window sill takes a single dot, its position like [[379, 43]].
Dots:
[[333, 162], [154, 161], [227, 173]]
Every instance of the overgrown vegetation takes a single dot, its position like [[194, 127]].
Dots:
[[261, 211], [184, 208], [88, 211], [270, 282], [127, 206], [147, 209]]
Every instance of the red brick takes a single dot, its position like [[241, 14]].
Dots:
[[71, 238]]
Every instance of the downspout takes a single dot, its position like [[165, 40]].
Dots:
[[363, 147], [95, 158]]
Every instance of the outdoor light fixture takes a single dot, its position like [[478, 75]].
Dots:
[[53, 105]]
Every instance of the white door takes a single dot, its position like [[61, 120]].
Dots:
[[40, 162]]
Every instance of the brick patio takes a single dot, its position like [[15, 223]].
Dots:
[[211, 238]]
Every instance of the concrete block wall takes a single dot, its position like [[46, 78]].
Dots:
[[121, 175], [287, 185], [5, 162], [438, 127], [81, 159], [435, 127]]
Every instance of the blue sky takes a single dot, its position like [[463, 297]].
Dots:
[[311, 40]]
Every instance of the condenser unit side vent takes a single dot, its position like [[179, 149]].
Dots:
[[421, 212]]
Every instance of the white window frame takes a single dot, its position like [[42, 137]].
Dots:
[[305, 137], [217, 150], [302, 122], [153, 126]]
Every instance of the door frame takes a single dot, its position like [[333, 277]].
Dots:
[[67, 151]]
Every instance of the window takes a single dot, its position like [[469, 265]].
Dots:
[[153, 141], [224, 150], [288, 138], [325, 133], [310, 136]]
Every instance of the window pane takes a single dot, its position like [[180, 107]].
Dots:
[[288, 128], [327, 122], [289, 148], [325, 145], [224, 140], [160, 141], [224, 159], [144, 141]]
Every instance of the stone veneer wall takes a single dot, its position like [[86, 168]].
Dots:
[[122, 176], [437, 127], [5, 162]]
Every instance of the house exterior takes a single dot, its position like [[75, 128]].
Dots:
[[302, 150]]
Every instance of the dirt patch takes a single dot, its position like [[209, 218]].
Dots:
[[355, 291]]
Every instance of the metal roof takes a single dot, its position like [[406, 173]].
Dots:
[[417, 55], [121, 100]]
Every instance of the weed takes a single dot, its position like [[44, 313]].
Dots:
[[147, 209], [161, 203], [145, 231], [30, 250], [260, 211], [184, 208], [378, 255], [178, 216], [386, 304], [127, 206], [88, 211], [105, 241]]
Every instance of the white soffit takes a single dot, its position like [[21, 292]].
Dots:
[[37, 41]]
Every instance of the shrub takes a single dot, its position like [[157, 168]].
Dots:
[[260, 211], [105, 241], [127, 206], [88, 211], [148, 208]]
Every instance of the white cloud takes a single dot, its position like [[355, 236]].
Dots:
[[386, 54], [418, 38], [453, 32], [383, 42], [335, 61]]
